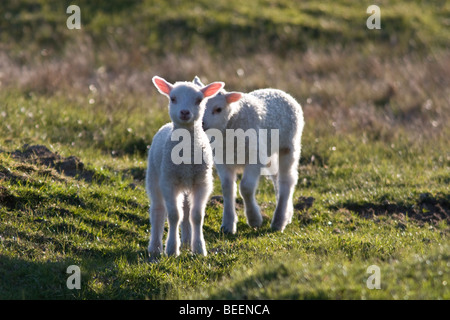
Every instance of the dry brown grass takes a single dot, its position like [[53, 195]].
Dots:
[[341, 90]]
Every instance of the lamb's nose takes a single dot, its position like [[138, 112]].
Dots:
[[184, 114]]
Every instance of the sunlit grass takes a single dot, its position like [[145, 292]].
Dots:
[[373, 185]]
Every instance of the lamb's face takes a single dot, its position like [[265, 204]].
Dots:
[[217, 112], [185, 105]]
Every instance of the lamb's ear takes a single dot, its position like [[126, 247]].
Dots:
[[162, 85], [233, 97], [212, 89], [197, 82]]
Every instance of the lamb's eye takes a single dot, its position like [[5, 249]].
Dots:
[[198, 101], [218, 110], [173, 99]]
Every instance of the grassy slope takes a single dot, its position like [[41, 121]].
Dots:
[[51, 221], [373, 163], [175, 25]]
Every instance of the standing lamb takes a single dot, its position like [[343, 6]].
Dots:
[[260, 109], [174, 186]]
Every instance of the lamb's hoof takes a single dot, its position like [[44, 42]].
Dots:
[[256, 222], [171, 252], [154, 257], [228, 230], [199, 248], [277, 227], [201, 252]]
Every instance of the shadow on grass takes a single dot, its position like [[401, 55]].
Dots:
[[23, 279], [427, 209]]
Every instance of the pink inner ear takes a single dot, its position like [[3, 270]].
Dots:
[[233, 97], [162, 85], [212, 89]]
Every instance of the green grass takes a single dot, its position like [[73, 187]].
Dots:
[[375, 151], [233, 26], [51, 221]]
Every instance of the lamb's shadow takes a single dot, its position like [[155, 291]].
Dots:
[[427, 209], [242, 229], [301, 213], [25, 279]]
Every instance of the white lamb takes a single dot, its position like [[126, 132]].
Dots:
[[260, 109], [173, 188]]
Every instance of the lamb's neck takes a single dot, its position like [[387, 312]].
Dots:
[[192, 129]]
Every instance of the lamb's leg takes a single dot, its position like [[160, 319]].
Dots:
[[174, 217], [157, 218], [200, 198], [228, 181], [274, 179], [247, 189], [287, 179], [186, 233]]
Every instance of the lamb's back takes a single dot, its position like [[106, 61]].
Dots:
[[283, 112]]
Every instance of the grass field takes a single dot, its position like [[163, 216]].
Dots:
[[78, 112]]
